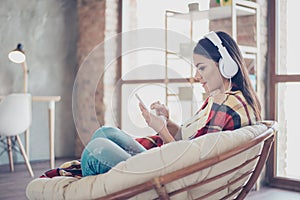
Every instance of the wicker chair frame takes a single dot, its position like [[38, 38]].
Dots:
[[158, 183]]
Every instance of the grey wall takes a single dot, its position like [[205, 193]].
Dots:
[[48, 31]]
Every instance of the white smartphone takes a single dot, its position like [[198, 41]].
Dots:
[[141, 101]]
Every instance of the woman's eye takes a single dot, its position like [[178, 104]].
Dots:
[[201, 68]]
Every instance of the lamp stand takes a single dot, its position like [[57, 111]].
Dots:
[[25, 73]]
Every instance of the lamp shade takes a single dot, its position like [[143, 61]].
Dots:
[[17, 55]]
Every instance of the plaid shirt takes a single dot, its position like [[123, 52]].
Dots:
[[232, 114]]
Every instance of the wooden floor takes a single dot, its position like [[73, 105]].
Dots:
[[13, 184]]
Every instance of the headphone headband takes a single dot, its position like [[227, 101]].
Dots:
[[214, 38], [227, 65]]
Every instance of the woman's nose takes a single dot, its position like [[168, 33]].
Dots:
[[197, 76]]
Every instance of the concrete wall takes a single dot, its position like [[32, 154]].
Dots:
[[48, 31]]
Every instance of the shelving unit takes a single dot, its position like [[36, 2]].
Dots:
[[238, 8]]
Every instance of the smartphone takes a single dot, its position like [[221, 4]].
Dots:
[[141, 101]]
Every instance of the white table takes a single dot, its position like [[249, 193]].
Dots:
[[51, 122]]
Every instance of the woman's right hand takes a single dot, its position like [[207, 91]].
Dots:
[[155, 122], [158, 122], [160, 109]]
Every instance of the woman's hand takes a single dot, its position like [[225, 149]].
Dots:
[[160, 110], [157, 123]]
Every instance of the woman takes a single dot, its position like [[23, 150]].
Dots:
[[232, 103]]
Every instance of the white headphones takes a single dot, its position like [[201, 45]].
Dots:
[[227, 65]]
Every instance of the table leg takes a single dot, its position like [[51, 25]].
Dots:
[[51, 132]]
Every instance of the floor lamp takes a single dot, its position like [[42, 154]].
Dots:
[[18, 56]]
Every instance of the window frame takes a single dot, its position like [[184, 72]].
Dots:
[[274, 79]]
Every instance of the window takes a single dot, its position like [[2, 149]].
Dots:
[[284, 93], [144, 69]]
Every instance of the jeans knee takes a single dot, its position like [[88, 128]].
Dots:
[[96, 148], [100, 142], [95, 157], [105, 132]]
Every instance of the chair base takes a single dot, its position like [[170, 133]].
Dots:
[[10, 155]]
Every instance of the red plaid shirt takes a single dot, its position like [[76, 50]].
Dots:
[[232, 114]]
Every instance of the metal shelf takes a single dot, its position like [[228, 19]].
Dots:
[[212, 14], [238, 8]]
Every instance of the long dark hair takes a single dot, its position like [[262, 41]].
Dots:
[[241, 80]]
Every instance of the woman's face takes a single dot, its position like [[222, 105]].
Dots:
[[208, 74]]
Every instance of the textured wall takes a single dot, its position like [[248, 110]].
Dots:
[[89, 104], [48, 31]]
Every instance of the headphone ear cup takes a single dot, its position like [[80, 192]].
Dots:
[[221, 67], [228, 68]]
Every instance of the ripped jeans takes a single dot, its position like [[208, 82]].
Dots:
[[107, 148]]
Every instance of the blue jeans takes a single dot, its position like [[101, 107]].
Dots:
[[107, 148]]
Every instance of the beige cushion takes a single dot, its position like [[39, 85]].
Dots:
[[154, 162]]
